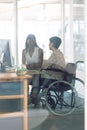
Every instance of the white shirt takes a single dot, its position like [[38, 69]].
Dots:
[[34, 58]]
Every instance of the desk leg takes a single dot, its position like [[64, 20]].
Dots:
[[25, 107]]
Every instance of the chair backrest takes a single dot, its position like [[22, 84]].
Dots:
[[71, 69]]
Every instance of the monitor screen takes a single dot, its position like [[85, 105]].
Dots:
[[6, 49]]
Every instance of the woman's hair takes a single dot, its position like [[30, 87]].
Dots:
[[56, 41], [33, 38]]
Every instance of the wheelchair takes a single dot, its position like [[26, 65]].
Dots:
[[62, 97]]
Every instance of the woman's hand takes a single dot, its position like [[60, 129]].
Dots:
[[30, 66]]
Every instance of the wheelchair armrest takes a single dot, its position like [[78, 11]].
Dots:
[[54, 70]]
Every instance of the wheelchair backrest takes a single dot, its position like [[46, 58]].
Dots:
[[71, 68], [71, 72]]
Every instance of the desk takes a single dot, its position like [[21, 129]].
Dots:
[[12, 77]]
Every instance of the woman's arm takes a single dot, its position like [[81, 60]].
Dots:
[[23, 57]]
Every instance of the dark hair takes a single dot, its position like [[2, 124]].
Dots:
[[56, 41], [32, 37]]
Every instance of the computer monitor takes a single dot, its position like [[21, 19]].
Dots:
[[5, 45]]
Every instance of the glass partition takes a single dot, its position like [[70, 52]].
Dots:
[[44, 20], [74, 31]]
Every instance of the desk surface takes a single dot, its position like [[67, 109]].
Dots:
[[10, 76]]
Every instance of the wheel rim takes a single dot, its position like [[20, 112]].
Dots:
[[66, 101]]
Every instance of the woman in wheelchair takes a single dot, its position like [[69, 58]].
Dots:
[[55, 61], [55, 68]]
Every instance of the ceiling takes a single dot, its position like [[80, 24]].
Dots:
[[31, 8], [31, 1], [41, 1], [6, 1]]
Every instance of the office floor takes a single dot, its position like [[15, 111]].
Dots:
[[42, 119], [74, 121]]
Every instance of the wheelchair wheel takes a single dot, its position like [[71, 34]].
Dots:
[[61, 98], [79, 86]]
